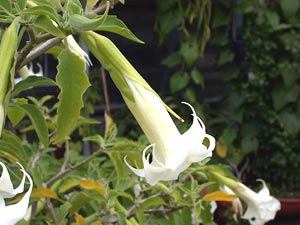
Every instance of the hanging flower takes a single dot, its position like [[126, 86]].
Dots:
[[11, 214], [172, 152], [261, 206]]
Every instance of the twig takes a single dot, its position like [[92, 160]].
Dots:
[[101, 8], [40, 50], [105, 92], [61, 173], [66, 157], [50, 209], [37, 156], [30, 45]]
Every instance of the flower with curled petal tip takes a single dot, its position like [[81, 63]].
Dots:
[[261, 206], [172, 152], [11, 214]]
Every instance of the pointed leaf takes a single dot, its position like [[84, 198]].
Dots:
[[93, 185], [115, 25], [44, 193], [73, 82], [45, 23], [16, 114], [219, 196], [81, 22], [38, 122], [29, 82], [42, 10]]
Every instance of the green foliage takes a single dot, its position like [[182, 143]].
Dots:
[[188, 24], [47, 134], [263, 90]]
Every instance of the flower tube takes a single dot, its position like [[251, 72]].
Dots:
[[172, 152], [11, 214]]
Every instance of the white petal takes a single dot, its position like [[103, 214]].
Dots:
[[11, 214], [6, 186]]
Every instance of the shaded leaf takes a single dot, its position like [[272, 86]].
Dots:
[[38, 122], [29, 82]]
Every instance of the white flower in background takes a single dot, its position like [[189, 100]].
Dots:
[[262, 207], [11, 214], [236, 203], [172, 152]]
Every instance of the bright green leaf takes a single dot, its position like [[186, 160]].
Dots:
[[16, 114], [6, 5], [42, 10], [115, 25], [46, 24], [73, 82]]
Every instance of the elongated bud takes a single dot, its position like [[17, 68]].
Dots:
[[8, 48], [117, 65]]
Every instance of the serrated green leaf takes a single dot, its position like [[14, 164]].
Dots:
[[38, 122], [46, 24], [29, 82], [73, 82], [117, 26]]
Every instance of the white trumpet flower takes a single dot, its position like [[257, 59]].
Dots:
[[172, 152], [11, 214], [261, 206]]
